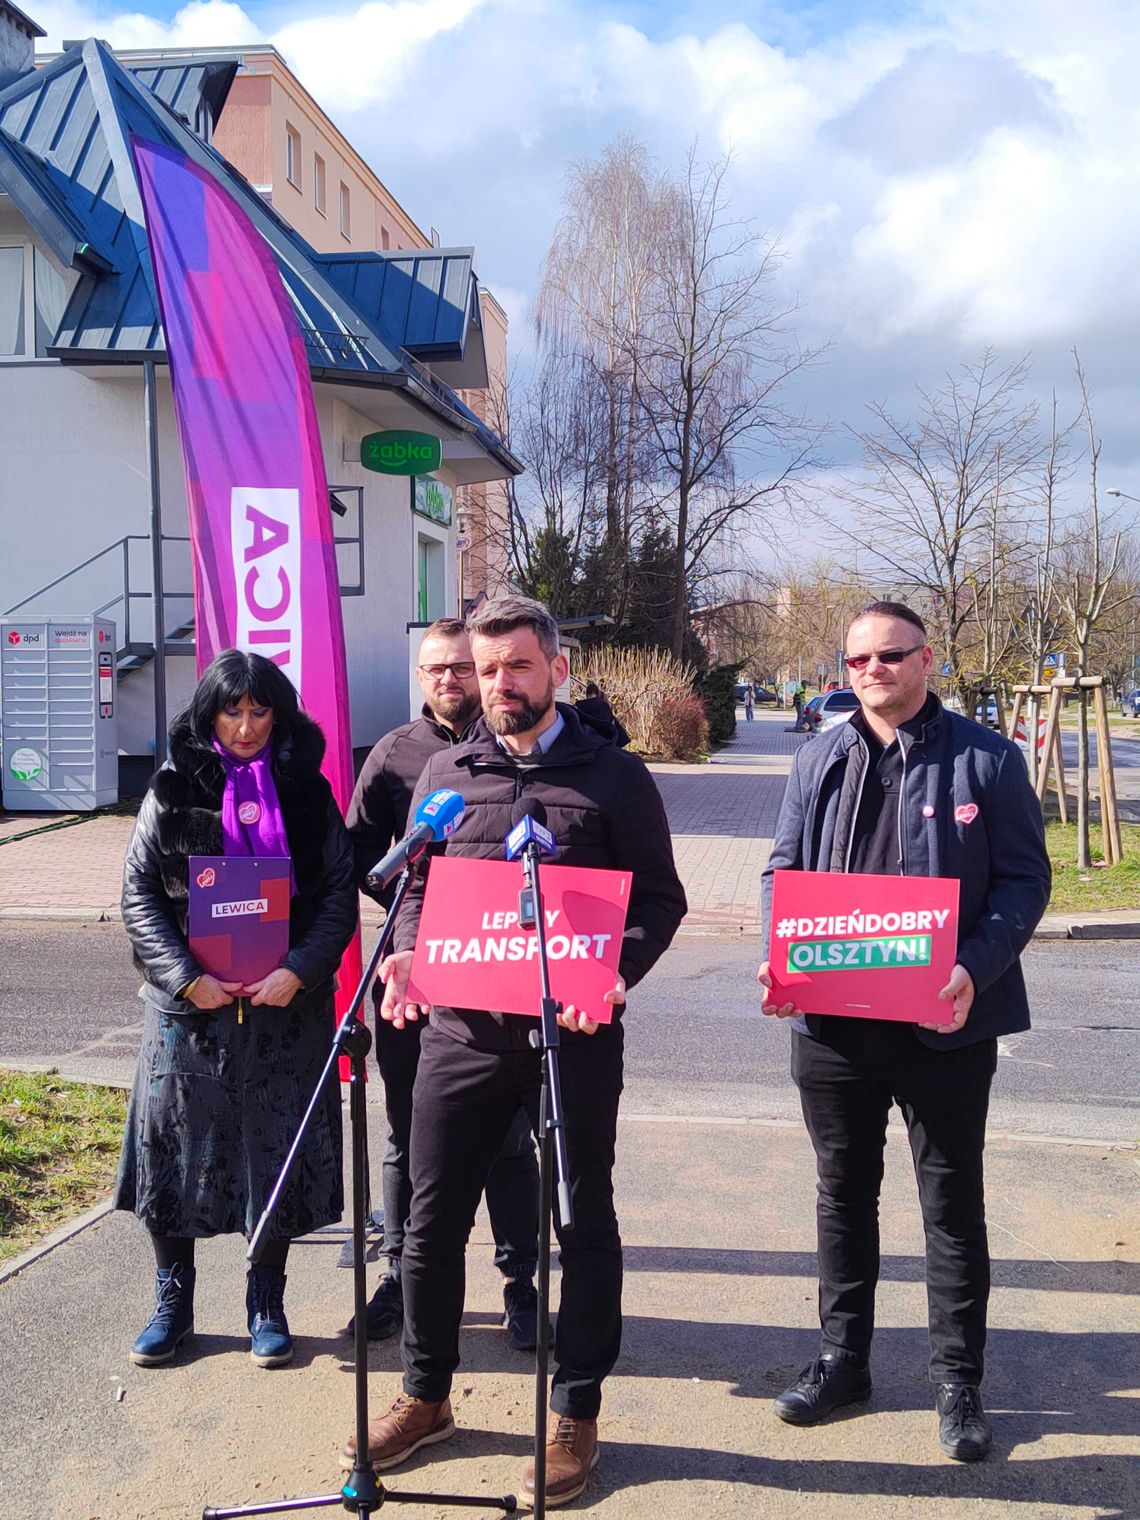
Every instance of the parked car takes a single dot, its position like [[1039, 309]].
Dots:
[[990, 716], [741, 692], [831, 708], [1130, 703], [764, 694]]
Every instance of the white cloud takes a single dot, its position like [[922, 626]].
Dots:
[[950, 175]]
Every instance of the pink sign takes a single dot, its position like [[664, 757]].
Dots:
[[472, 953], [868, 947]]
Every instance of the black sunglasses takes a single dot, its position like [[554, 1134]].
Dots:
[[888, 657]]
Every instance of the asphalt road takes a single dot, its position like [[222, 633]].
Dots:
[[696, 1043]]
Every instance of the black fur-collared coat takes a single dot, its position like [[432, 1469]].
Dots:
[[218, 1096]]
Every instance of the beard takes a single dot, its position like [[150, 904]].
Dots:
[[522, 719], [458, 710]]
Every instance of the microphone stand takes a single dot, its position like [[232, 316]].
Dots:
[[552, 1156], [362, 1493]]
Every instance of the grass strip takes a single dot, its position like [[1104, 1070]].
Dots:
[[1100, 886], [59, 1145]]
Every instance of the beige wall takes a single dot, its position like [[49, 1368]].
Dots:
[[264, 101], [484, 507]]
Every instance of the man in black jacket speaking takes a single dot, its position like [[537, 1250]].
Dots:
[[603, 809], [377, 817], [907, 788]]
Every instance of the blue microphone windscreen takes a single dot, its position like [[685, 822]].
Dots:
[[441, 811]]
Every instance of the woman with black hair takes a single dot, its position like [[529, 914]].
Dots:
[[226, 1070]]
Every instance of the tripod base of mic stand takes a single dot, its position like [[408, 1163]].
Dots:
[[363, 1493]]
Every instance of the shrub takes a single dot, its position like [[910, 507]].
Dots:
[[637, 682], [718, 688], [682, 730]]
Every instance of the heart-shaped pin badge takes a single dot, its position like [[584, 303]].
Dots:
[[206, 878], [966, 813], [249, 812]]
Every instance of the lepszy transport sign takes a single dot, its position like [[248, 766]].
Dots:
[[471, 951], [871, 947], [399, 452]]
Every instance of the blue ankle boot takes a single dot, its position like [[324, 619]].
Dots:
[[172, 1320], [265, 1307]]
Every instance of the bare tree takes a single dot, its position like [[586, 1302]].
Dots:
[[595, 296], [1089, 589], [931, 489], [720, 352]]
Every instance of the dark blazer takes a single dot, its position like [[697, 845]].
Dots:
[[603, 808], [181, 816], [998, 854]]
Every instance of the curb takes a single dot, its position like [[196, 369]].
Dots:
[[66, 1232]]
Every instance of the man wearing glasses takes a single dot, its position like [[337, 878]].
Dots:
[[377, 816], [908, 788]]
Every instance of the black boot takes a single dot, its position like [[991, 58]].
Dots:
[[827, 1385], [964, 1432], [385, 1313]]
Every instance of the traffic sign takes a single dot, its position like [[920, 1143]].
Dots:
[[945, 667], [1054, 661]]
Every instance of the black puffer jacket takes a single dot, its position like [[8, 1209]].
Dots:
[[603, 808], [181, 816]]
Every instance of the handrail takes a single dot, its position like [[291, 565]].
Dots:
[[119, 543]]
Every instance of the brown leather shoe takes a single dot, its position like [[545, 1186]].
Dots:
[[571, 1456], [408, 1425]]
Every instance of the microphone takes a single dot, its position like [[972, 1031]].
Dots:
[[528, 829], [438, 815]]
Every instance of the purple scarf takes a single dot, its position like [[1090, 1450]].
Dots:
[[252, 823]]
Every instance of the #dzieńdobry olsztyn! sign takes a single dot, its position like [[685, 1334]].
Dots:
[[472, 953], [870, 947]]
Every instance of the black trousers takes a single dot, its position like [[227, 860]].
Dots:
[[465, 1102], [512, 1182], [848, 1079]]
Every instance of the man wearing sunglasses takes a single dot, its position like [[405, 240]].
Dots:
[[908, 788], [377, 817]]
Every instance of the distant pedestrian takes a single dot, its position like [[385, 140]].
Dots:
[[798, 698], [748, 703], [595, 710]]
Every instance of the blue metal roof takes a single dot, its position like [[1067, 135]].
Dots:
[[65, 161], [426, 300]]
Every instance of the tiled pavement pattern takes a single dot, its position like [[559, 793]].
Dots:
[[722, 815]]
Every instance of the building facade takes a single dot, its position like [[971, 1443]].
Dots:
[[396, 337]]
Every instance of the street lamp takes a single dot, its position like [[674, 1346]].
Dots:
[[1112, 491]]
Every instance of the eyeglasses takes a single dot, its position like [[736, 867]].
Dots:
[[888, 657], [463, 670]]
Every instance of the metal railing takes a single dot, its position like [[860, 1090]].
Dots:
[[91, 584]]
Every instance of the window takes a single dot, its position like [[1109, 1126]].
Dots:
[[345, 211], [33, 297], [13, 276], [319, 183], [293, 156], [385, 240]]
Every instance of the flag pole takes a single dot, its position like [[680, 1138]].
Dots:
[[157, 596]]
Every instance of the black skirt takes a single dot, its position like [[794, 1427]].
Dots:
[[214, 1109]]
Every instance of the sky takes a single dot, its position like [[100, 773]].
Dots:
[[941, 177]]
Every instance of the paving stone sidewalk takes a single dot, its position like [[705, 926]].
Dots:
[[722, 816]]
